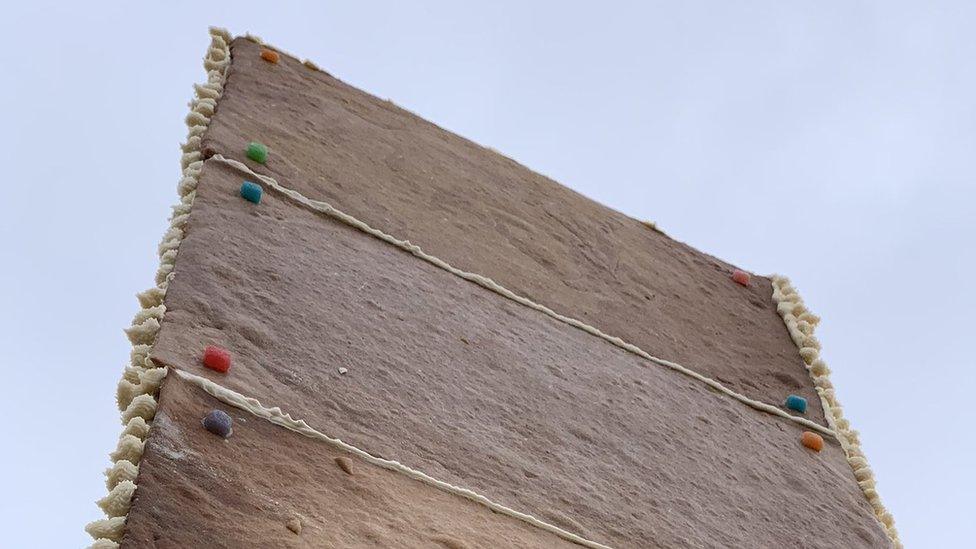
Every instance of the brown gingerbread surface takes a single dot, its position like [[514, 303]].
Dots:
[[268, 487], [485, 213], [410, 362], [469, 387]]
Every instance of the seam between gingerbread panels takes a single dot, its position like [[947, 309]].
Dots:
[[488, 283], [276, 416], [801, 331], [141, 380]]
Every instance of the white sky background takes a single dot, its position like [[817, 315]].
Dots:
[[830, 141]]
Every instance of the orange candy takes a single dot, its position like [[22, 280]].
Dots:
[[741, 277], [812, 441], [269, 55]]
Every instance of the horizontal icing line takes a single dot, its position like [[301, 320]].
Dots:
[[328, 209], [276, 416]]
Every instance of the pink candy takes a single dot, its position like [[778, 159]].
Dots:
[[741, 277]]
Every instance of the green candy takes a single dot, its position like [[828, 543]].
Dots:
[[257, 152]]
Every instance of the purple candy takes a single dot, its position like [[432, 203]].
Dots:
[[219, 423]]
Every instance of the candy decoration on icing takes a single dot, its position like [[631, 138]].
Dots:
[[270, 56], [741, 277], [219, 423], [257, 152], [798, 403], [216, 358], [251, 191], [812, 441]]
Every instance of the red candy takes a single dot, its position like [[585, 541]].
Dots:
[[216, 358], [741, 277]]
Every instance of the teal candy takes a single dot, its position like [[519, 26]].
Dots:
[[798, 403], [251, 191], [257, 152]]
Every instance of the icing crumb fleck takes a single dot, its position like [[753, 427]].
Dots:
[[451, 543], [344, 464]]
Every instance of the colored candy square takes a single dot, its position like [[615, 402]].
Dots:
[[251, 191], [219, 423], [798, 403], [812, 441], [741, 277], [270, 56], [257, 152], [216, 358]]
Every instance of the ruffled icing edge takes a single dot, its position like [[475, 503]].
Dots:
[[137, 390], [801, 324]]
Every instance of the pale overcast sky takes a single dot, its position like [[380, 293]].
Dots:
[[832, 142]]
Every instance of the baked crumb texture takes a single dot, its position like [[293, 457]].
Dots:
[[141, 380]]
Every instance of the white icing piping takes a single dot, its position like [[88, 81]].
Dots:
[[276, 416], [801, 324], [328, 209], [141, 379]]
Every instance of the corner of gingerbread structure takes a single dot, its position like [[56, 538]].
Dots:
[[802, 324], [141, 379]]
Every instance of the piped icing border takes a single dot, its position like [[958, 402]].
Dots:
[[141, 379], [802, 324], [488, 283], [276, 416], [136, 393]]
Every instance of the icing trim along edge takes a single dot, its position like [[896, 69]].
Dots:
[[801, 324], [136, 393]]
